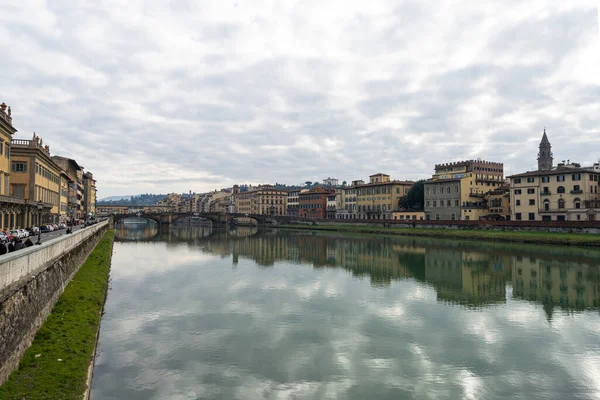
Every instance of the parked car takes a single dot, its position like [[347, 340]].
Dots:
[[62, 226], [16, 234], [8, 235], [3, 238], [44, 229], [23, 233], [33, 231]]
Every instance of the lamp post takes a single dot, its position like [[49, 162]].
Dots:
[[40, 207]]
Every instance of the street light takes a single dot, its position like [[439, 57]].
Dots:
[[40, 207]]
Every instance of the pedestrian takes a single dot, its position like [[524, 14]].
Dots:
[[19, 245], [28, 243], [11, 246], [3, 249]]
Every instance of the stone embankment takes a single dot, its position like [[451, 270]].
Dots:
[[31, 281]]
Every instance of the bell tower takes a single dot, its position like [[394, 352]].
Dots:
[[545, 155]]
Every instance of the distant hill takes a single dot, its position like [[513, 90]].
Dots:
[[114, 198], [137, 200]]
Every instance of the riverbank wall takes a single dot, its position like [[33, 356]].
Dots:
[[31, 281], [583, 227]]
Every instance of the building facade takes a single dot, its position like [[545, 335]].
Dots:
[[459, 190], [350, 204], [76, 190], [567, 192], [89, 195], [263, 200], [14, 212], [313, 203], [36, 179], [293, 204], [379, 198]]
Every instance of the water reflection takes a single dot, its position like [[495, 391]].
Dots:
[[563, 277], [246, 314]]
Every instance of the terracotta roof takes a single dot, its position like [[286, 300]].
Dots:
[[379, 173], [556, 171]]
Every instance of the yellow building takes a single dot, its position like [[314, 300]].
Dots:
[[566, 192], [36, 179], [75, 173], [89, 194], [408, 215], [263, 200], [107, 210], [379, 198], [65, 183]]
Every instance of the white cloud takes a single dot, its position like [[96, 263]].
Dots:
[[156, 97]]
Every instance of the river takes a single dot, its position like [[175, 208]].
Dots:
[[196, 314]]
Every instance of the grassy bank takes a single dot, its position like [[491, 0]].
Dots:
[[570, 239], [56, 364]]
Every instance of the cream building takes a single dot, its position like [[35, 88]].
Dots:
[[379, 198], [567, 192]]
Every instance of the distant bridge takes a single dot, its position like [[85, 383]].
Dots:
[[217, 219]]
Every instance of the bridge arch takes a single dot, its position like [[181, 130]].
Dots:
[[121, 217]]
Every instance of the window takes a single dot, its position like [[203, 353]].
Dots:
[[435, 203], [517, 191], [518, 202], [561, 189], [448, 190], [561, 203], [456, 203], [1, 147], [427, 203], [545, 179], [560, 178], [449, 203], [18, 166], [576, 188], [518, 216], [576, 177], [532, 216], [577, 203], [456, 189], [532, 202], [517, 180], [530, 191], [530, 179], [560, 217]]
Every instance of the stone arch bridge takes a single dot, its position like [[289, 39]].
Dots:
[[217, 219]]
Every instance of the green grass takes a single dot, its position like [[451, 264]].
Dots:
[[571, 239], [68, 334]]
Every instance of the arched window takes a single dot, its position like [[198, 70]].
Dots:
[[546, 205], [561, 203], [561, 189], [577, 203]]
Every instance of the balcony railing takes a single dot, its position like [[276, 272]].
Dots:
[[468, 204], [477, 194], [12, 200], [545, 193], [578, 191]]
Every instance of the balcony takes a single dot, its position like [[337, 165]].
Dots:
[[12, 200], [476, 205], [477, 194], [578, 191], [546, 193]]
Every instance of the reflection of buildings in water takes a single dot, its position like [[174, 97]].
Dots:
[[570, 285], [190, 232], [471, 278]]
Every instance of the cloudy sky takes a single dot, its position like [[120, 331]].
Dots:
[[197, 95]]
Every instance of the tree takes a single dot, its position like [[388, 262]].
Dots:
[[308, 183], [344, 183], [415, 198]]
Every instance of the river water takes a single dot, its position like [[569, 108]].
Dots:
[[193, 314]]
